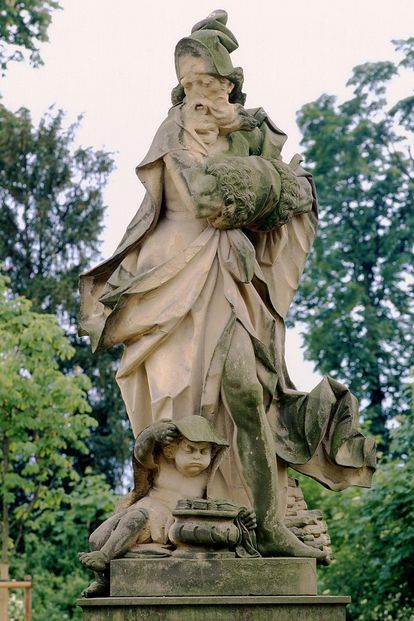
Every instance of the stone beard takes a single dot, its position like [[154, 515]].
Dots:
[[211, 119], [207, 109]]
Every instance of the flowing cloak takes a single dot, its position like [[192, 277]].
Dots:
[[177, 317]]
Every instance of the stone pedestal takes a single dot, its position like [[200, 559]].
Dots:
[[191, 577], [262, 589]]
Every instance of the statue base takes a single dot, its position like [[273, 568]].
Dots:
[[258, 589]]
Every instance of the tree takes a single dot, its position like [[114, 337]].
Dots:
[[51, 217], [43, 416], [356, 298], [372, 534], [49, 553], [23, 25], [51, 208]]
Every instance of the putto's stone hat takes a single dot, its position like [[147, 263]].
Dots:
[[212, 38], [198, 429]]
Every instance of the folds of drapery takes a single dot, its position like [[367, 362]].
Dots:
[[180, 316]]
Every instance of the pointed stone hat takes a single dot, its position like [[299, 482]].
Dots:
[[211, 38], [198, 429]]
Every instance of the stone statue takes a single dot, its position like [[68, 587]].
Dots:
[[172, 462], [198, 289]]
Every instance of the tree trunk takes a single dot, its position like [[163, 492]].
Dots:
[[378, 418], [4, 564]]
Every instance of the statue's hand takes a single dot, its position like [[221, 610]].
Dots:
[[235, 180], [164, 432], [248, 517], [204, 191]]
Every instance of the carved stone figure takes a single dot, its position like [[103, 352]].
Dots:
[[172, 465], [207, 528], [199, 287]]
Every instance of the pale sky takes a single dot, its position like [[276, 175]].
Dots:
[[113, 61]]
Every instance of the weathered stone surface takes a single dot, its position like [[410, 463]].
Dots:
[[306, 524], [197, 292], [247, 576], [313, 608]]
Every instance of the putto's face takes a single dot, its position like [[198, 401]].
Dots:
[[192, 458]]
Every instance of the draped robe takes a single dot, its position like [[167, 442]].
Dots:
[[178, 291]]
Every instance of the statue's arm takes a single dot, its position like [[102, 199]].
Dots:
[[198, 190], [260, 192], [297, 194], [160, 433], [254, 189]]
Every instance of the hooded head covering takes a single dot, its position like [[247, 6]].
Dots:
[[198, 429], [212, 39]]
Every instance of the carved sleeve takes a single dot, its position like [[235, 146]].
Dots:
[[144, 448], [259, 191]]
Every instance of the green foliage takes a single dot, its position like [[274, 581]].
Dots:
[[51, 212], [406, 47], [356, 298], [47, 508], [110, 445], [356, 303], [23, 25], [43, 413], [372, 534], [51, 207], [50, 552], [51, 218]]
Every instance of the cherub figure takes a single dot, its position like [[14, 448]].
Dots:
[[172, 461]]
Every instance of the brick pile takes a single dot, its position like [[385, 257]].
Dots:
[[307, 524]]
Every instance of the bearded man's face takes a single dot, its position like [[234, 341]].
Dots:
[[207, 97]]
